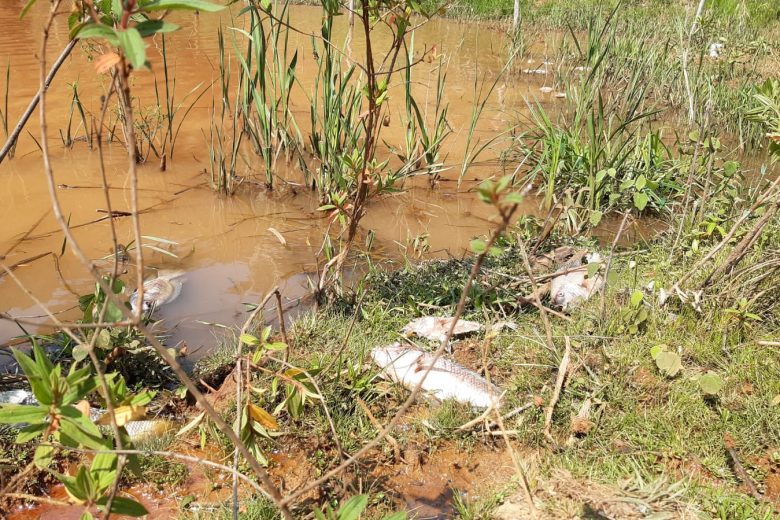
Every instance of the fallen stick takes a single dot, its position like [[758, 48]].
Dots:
[[376, 424], [562, 369], [740, 470], [26, 261], [9, 144]]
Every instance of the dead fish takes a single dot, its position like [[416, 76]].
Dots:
[[17, 397], [446, 380], [572, 286], [159, 291], [137, 430], [435, 328], [148, 428], [715, 49]]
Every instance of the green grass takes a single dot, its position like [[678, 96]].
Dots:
[[646, 426]]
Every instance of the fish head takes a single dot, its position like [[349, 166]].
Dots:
[[134, 303]]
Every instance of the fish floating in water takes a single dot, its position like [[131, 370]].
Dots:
[[573, 285], [159, 291], [435, 328], [137, 430], [446, 379]]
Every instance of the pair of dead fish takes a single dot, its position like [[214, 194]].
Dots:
[[159, 291], [137, 430], [445, 380], [573, 285]]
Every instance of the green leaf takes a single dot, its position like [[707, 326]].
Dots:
[[26, 8], [134, 48], [595, 217], [401, 515], [513, 198], [113, 313], [87, 516], [44, 454], [730, 168], [478, 246], [103, 468], [249, 339], [39, 380], [276, 346], [657, 350], [192, 5], [641, 182], [710, 383], [85, 483], [96, 30], [79, 353], [640, 200], [30, 432], [353, 507], [669, 363], [103, 340], [636, 298], [74, 485], [152, 27], [593, 268], [78, 429], [20, 413]]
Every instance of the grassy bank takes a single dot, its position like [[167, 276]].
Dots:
[[624, 425], [558, 13]]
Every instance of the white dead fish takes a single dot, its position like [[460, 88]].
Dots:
[[17, 397], [715, 49], [545, 90], [435, 328], [500, 325], [137, 430], [573, 286], [159, 291], [446, 380]]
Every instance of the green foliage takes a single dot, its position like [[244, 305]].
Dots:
[[767, 112], [669, 363], [114, 18], [351, 509], [57, 419], [633, 318], [710, 383]]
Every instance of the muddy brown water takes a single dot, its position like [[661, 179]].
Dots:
[[223, 242]]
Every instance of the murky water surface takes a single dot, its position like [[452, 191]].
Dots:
[[224, 243]]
